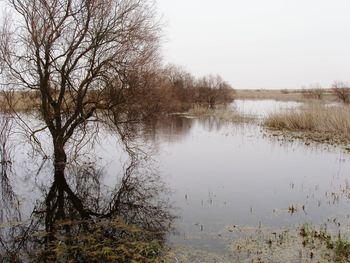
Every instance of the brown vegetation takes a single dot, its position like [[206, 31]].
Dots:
[[170, 89], [285, 94], [330, 121], [179, 90], [315, 91], [342, 91], [78, 62]]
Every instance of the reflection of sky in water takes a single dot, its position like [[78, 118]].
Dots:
[[227, 174], [263, 108], [224, 174]]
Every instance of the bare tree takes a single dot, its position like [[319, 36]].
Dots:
[[342, 91], [77, 56], [314, 91]]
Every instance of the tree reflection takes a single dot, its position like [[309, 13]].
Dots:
[[8, 197], [173, 128], [12, 234], [167, 128], [90, 222]]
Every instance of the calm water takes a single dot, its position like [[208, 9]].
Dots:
[[235, 176], [263, 108], [224, 174]]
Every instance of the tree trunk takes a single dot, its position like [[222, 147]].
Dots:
[[64, 192], [60, 160]]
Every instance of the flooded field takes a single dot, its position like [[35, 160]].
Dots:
[[230, 180], [228, 177], [224, 181]]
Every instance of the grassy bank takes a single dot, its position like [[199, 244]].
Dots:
[[318, 122]]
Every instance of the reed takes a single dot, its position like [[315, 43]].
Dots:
[[313, 118]]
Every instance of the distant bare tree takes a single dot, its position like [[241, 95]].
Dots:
[[314, 91], [180, 84], [77, 55], [342, 91]]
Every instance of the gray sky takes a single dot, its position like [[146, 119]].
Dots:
[[260, 43]]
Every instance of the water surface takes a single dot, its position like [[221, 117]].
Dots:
[[221, 176], [263, 108]]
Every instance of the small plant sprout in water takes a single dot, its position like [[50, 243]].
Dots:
[[292, 209]]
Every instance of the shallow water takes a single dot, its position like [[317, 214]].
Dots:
[[234, 176], [263, 108], [225, 175]]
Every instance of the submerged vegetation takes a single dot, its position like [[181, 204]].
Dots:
[[335, 249], [100, 241], [307, 244]]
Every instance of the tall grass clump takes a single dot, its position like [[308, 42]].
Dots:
[[315, 118]]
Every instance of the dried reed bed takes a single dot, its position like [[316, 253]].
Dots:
[[285, 95], [313, 118]]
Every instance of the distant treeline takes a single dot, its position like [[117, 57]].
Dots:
[[341, 90]]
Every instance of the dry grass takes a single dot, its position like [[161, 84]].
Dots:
[[19, 101], [282, 95], [313, 118]]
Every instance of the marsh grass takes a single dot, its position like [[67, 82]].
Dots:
[[100, 241], [331, 121], [304, 244], [337, 247], [286, 95]]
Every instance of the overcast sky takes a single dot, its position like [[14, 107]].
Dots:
[[260, 43]]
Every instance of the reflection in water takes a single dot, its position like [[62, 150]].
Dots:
[[228, 177], [229, 181], [8, 197], [166, 128], [174, 129], [88, 223], [263, 108]]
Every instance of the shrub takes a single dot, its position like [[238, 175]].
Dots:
[[315, 91], [342, 91]]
